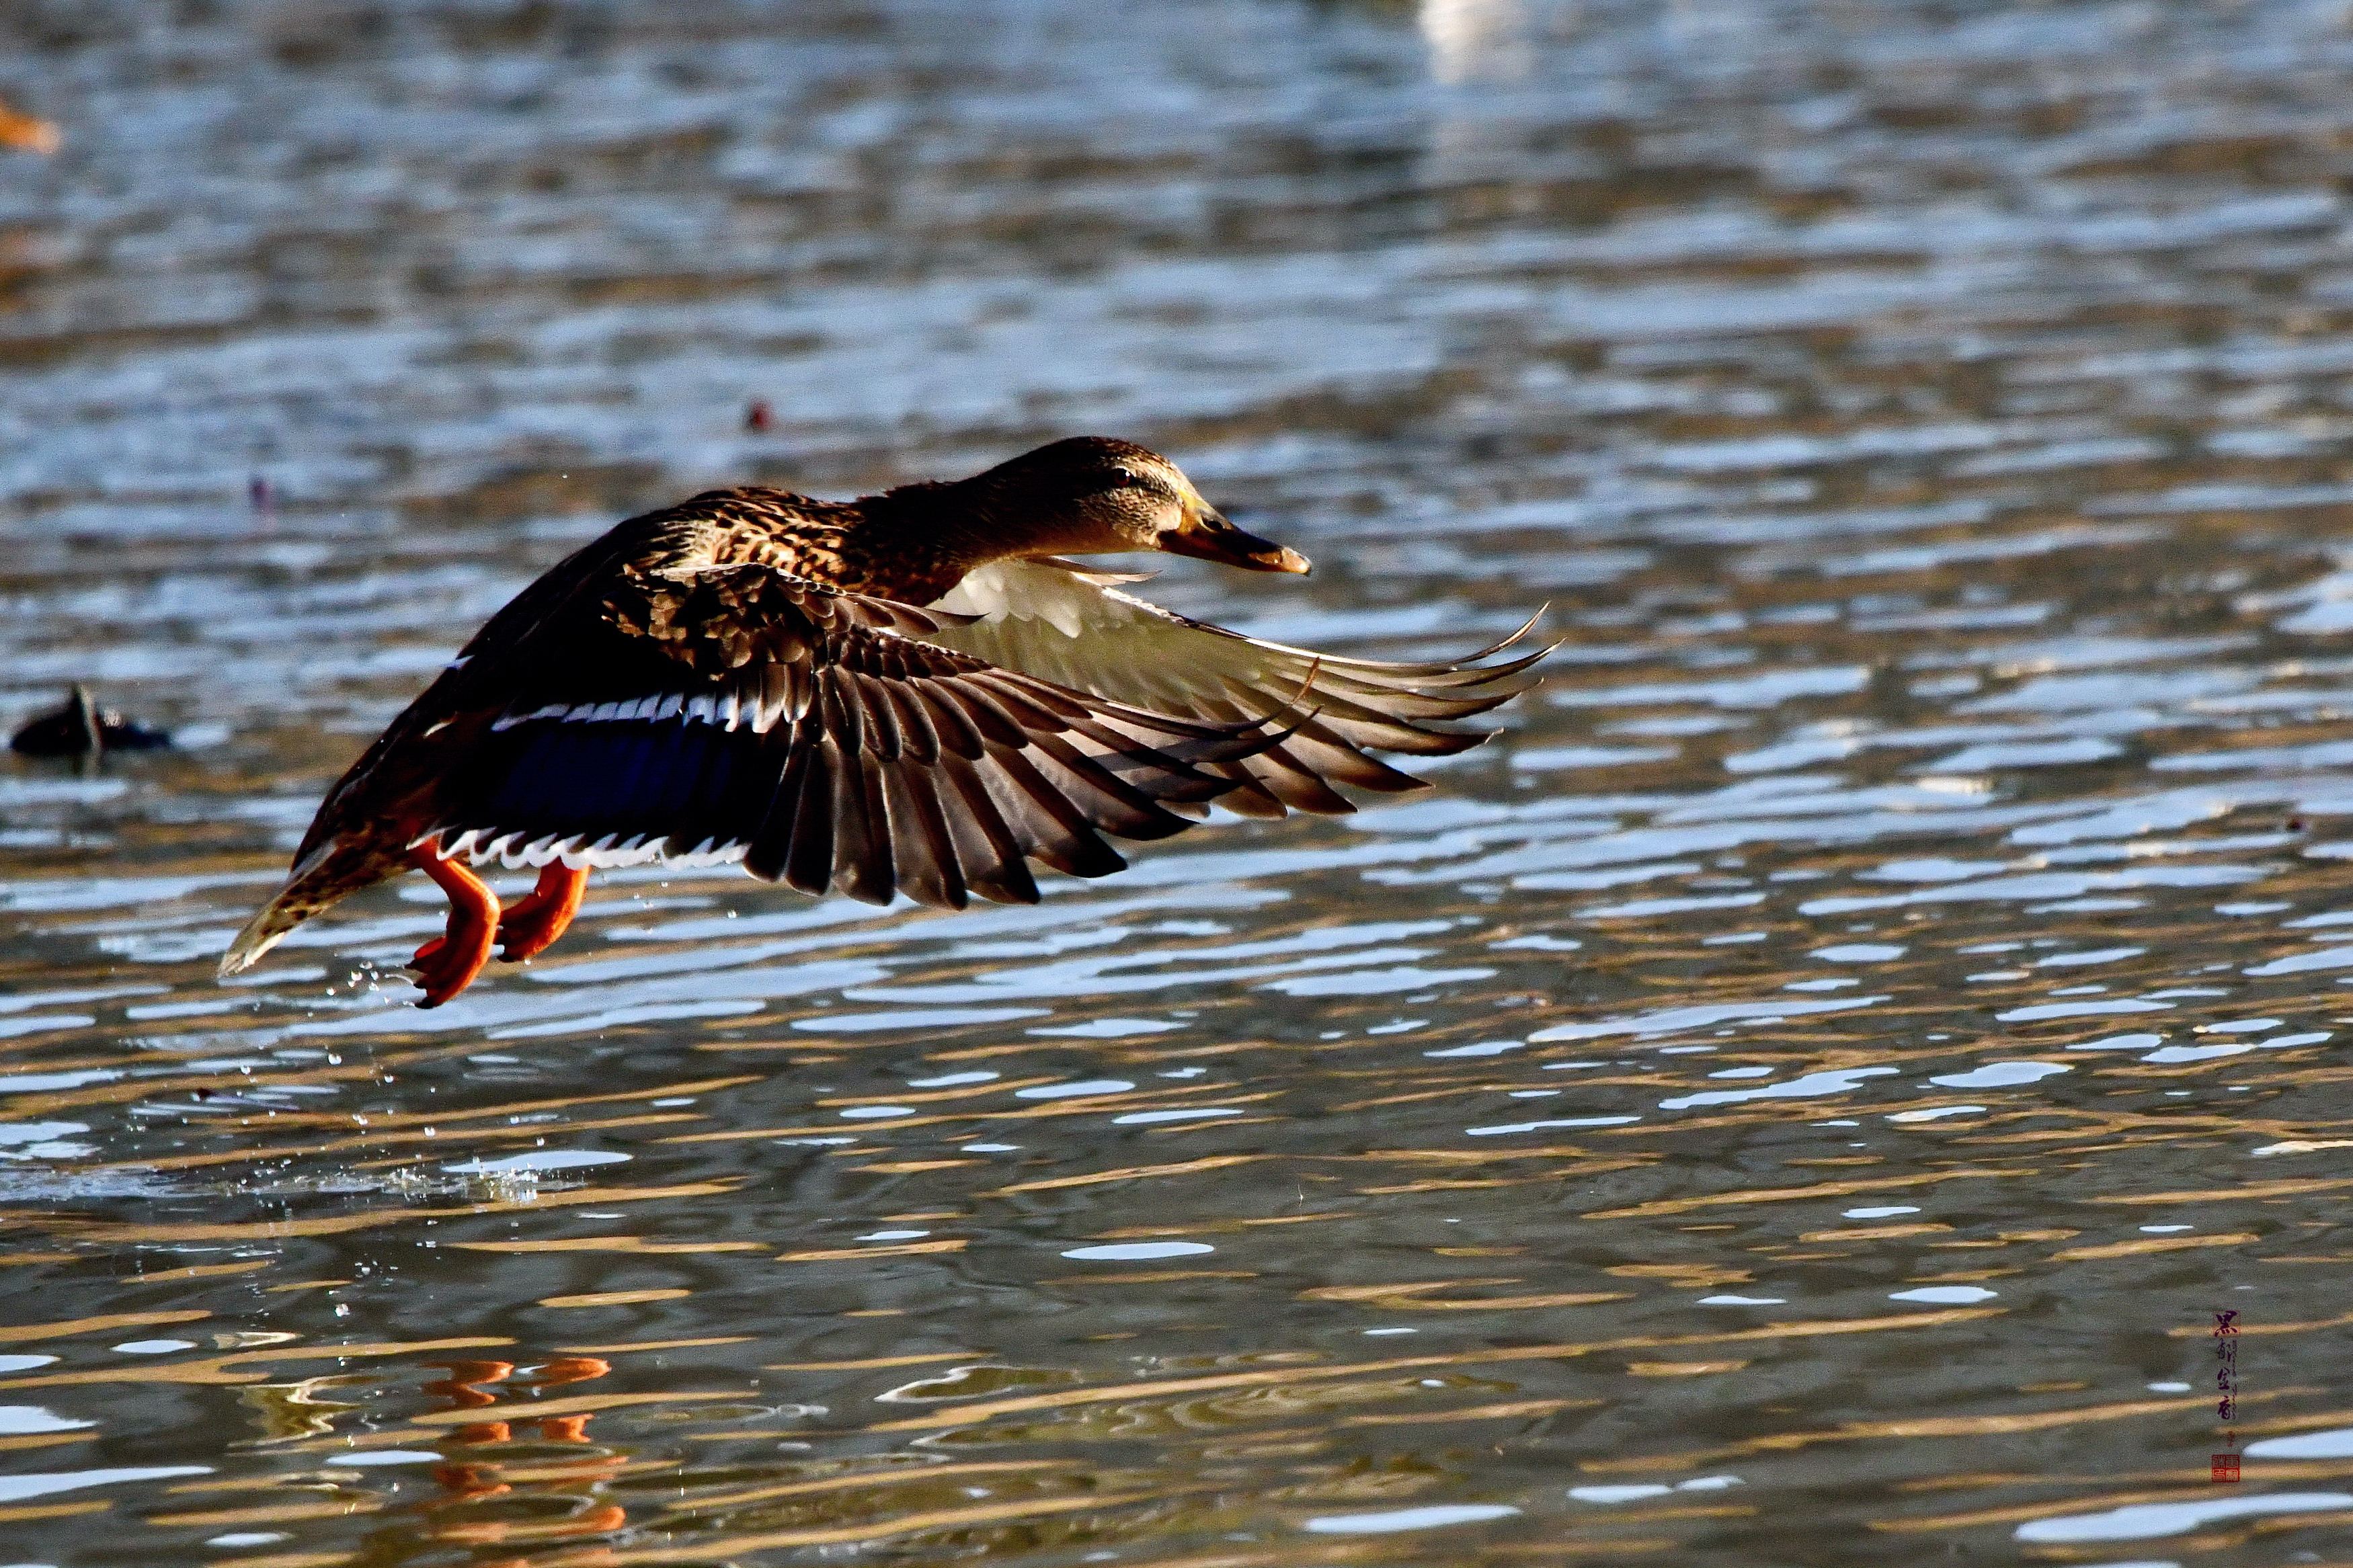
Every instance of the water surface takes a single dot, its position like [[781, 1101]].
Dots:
[[1801, 1097]]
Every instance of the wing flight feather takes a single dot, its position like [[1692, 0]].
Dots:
[[1059, 622], [739, 713]]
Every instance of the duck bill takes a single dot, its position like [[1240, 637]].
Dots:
[[1206, 536]]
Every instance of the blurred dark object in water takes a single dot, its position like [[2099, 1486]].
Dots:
[[264, 499], [756, 417], [24, 133], [82, 728]]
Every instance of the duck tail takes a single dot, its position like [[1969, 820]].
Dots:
[[325, 876]]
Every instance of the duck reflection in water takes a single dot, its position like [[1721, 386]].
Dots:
[[911, 693], [560, 1508]]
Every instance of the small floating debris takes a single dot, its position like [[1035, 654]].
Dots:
[[24, 133], [82, 728], [758, 417]]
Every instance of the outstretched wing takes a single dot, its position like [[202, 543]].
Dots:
[[736, 713], [1068, 625]]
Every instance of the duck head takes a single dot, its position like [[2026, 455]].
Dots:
[[1092, 495]]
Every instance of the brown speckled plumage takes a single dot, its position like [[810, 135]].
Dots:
[[750, 675]]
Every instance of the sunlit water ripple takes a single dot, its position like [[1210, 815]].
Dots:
[[1800, 1098]]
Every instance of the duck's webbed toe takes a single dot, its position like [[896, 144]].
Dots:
[[448, 964], [539, 917]]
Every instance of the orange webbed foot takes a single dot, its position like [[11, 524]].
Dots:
[[541, 915], [448, 964]]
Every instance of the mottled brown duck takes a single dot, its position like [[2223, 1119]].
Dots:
[[910, 693]]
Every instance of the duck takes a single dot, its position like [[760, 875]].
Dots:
[[80, 728], [916, 693]]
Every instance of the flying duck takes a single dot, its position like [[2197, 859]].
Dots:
[[910, 693]]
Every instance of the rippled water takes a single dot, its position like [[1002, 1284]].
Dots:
[[1800, 1098]]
